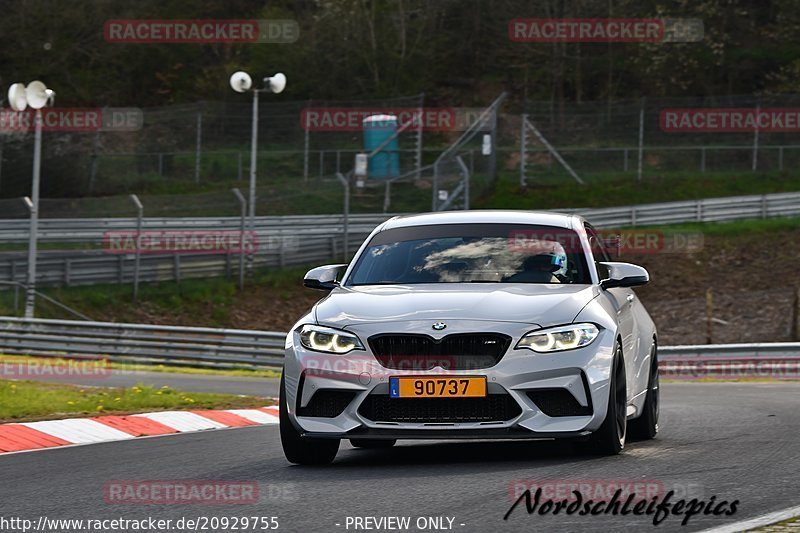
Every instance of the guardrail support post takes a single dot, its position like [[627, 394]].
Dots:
[[709, 314], [138, 253], [243, 218]]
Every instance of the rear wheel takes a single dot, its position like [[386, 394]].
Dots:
[[609, 439], [646, 425], [298, 449], [373, 443]]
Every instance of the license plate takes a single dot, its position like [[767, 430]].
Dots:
[[439, 387]]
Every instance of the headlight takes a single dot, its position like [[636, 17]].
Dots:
[[560, 338], [329, 340]]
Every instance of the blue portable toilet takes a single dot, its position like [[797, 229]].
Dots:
[[386, 163]]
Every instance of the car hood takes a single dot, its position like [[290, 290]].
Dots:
[[538, 304]]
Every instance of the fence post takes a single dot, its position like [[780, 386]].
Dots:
[[755, 135], [625, 162], [242, 223], [137, 257], [198, 143], [523, 142], [346, 236], [493, 155], [641, 138], [306, 142], [93, 163], [418, 148]]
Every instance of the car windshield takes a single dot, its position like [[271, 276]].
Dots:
[[472, 253]]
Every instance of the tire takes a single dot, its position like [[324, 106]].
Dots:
[[609, 439], [298, 449], [373, 443], [645, 427]]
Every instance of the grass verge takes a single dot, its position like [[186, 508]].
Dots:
[[24, 401]]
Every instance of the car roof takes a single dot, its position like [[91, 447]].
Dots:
[[487, 216]]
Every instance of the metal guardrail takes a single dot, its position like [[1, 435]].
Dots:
[[230, 348], [141, 343], [772, 350], [301, 240]]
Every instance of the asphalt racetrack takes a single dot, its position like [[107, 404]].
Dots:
[[732, 441]]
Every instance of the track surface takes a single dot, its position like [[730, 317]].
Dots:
[[185, 382], [735, 441]]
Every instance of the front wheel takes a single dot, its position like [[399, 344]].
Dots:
[[609, 439], [298, 449], [645, 427]]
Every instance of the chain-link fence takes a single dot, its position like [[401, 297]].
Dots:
[[643, 137]]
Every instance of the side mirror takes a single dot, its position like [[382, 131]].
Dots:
[[624, 275], [322, 277]]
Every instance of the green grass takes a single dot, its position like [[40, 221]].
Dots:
[[30, 400], [607, 189]]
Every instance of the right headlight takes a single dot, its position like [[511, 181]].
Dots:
[[560, 338], [329, 340]]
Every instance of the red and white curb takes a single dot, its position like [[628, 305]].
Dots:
[[18, 437]]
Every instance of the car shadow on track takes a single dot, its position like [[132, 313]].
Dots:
[[428, 458]]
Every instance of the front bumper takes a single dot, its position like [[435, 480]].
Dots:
[[527, 383]]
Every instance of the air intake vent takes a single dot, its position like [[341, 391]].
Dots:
[[459, 351]]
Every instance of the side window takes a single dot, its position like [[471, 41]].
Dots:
[[598, 251]]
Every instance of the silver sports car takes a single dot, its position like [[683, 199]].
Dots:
[[472, 325]]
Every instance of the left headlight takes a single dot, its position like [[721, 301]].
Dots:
[[329, 340], [560, 338]]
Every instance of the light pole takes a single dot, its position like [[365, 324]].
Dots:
[[242, 82], [36, 95]]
